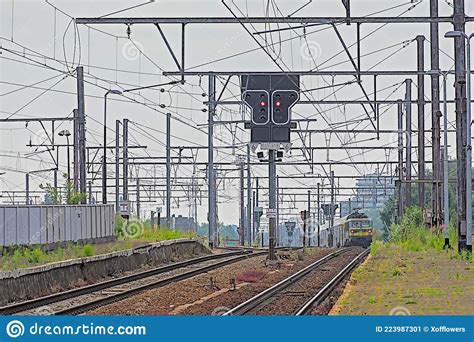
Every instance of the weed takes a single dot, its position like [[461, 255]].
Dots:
[[396, 272], [34, 256], [88, 250], [372, 299]]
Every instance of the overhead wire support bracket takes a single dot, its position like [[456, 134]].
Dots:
[[170, 49]]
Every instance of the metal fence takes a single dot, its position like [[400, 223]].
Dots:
[[50, 224]]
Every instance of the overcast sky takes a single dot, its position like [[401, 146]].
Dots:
[[41, 45]]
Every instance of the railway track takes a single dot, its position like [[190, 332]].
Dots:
[[293, 295], [77, 301], [324, 292]]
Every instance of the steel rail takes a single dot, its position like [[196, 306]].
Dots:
[[84, 307], [327, 289], [261, 297], [57, 297]]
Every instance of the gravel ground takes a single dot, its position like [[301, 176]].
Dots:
[[326, 306], [291, 299], [214, 292]]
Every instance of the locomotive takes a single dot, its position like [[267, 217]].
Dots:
[[355, 229]]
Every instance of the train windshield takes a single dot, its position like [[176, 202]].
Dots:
[[360, 224]]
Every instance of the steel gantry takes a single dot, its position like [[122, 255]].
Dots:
[[210, 176]]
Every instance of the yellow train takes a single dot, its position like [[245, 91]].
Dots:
[[355, 229]]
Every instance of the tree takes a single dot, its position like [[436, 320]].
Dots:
[[53, 195]]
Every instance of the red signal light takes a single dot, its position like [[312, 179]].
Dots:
[[263, 103], [278, 104]]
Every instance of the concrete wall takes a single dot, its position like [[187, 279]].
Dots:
[[53, 224], [29, 283]]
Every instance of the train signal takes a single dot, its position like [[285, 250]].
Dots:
[[270, 99], [258, 102], [282, 102]]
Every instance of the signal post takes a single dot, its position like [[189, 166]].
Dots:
[[270, 99]]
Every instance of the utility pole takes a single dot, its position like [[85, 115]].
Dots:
[[81, 115], [257, 218], [331, 212], [277, 223], [318, 204], [195, 195], [420, 40], [152, 219], [272, 194], [210, 165], [90, 192], [445, 163], [138, 198], [117, 166], [400, 160], [304, 218], [249, 198], [27, 190], [408, 144], [125, 160], [168, 169], [469, 151], [104, 159], [256, 191], [308, 217], [75, 150], [459, 21], [254, 223], [435, 111], [240, 163]]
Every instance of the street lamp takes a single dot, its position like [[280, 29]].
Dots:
[[104, 162], [445, 74], [460, 34], [67, 134]]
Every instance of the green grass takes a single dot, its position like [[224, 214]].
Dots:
[[142, 231], [163, 234], [22, 257], [88, 250], [396, 272], [375, 247]]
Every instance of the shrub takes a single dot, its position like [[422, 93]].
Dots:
[[119, 224], [88, 250], [413, 236], [34, 256]]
